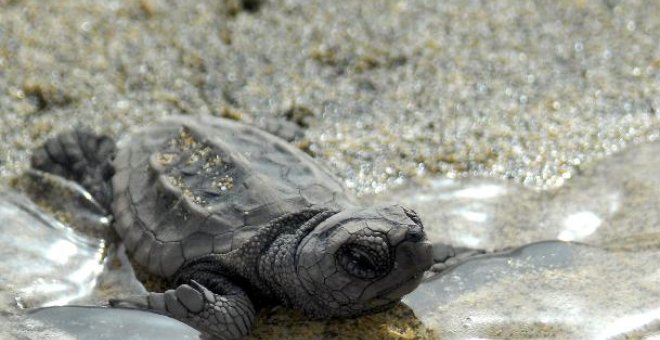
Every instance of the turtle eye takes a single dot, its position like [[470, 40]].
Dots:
[[365, 257]]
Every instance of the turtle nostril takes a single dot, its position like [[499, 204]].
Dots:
[[415, 234]]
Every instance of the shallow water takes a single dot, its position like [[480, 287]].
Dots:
[[48, 263], [44, 263], [608, 285], [551, 289]]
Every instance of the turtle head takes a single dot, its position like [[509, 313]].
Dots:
[[362, 260]]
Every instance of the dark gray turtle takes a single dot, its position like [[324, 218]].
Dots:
[[235, 217]]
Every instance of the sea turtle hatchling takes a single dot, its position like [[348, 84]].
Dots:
[[234, 217]]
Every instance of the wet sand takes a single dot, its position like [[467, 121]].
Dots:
[[386, 90]]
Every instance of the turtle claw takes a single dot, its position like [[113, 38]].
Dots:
[[208, 295], [191, 298]]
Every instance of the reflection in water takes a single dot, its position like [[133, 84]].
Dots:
[[471, 215], [579, 225], [44, 262], [633, 324], [482, 191], [61, 251]]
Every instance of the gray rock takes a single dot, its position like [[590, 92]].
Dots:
[[106, 324]]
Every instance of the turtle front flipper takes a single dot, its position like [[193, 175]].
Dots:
[[220, 308], [81, 156]]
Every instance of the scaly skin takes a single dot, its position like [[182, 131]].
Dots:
[[268, 262]]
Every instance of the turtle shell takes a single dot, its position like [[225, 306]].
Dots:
[[189, 186]]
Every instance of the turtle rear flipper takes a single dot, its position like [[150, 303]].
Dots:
[[81, 156]]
